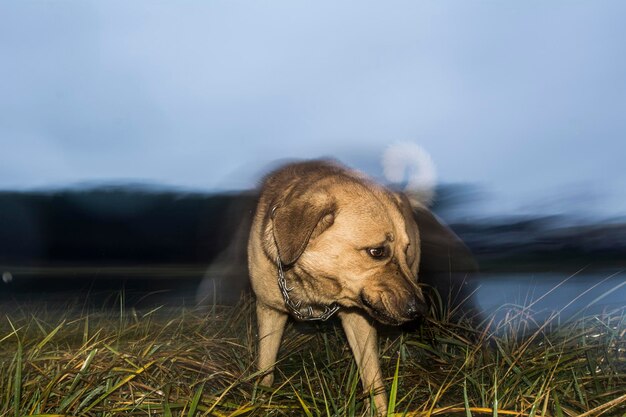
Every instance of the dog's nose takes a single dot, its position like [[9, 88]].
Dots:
[[415, 308]]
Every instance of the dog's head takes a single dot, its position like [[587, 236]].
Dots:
[[358, 242]]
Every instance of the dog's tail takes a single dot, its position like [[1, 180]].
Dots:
[[411, 167]]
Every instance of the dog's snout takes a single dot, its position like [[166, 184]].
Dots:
[[415, 308], [394, 307]]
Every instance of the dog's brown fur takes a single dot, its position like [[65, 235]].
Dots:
[[325, 222]]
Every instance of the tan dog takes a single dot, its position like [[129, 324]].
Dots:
[[327, 239]]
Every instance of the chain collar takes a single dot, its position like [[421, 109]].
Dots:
[[306, 314]]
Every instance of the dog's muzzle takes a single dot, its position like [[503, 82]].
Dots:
[[408, 309]]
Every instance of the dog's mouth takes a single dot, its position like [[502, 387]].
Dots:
[[380, 314]]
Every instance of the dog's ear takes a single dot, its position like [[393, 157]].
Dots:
[[414, 249], [299, 219]]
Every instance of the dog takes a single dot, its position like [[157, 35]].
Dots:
[[326, 240], [312, 240]]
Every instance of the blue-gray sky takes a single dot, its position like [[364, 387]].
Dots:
[[526, 98]]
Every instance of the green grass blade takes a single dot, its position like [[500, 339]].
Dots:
[[48, 415], [86, 330], [557, 405], [495, 393], [83, 369], [391, 409], [309, 385], [17, 380], [468, 412], [90, 396], [71, 399], [118, 385], [579, 391], [167, 411], [305, 408], [324, 387], [50, 335], [193, 407]]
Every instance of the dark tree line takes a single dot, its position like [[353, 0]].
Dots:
[[129, 226]]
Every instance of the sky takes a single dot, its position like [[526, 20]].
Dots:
[[526, 99]]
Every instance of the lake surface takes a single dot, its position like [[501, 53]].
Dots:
[[545, 293]]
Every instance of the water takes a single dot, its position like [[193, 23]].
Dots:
[[545, 293]]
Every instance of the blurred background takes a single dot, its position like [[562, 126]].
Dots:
[[129, 132]]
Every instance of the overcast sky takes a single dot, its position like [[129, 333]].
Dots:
[[525, 98]]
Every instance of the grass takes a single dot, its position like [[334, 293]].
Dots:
[[192, 362]]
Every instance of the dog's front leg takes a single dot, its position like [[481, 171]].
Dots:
[[271, 325], [363, 341]]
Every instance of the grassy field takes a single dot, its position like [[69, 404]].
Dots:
[[178, 361]]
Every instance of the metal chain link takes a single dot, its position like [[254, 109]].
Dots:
[[294, 307]]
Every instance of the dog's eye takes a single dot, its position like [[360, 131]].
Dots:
[[379, 252]]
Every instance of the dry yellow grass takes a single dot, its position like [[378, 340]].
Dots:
[[193, 362]]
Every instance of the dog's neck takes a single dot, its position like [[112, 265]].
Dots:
[[297, 308]]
